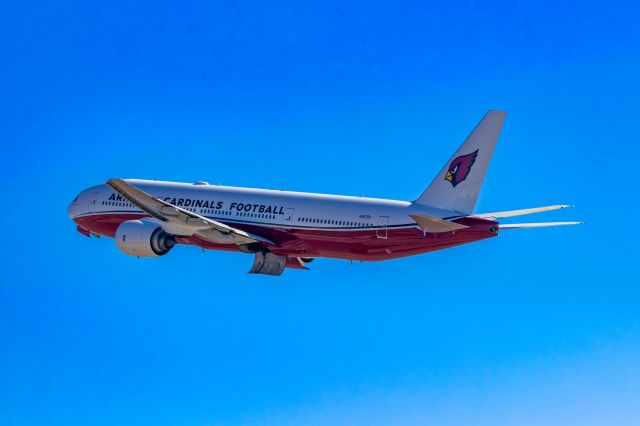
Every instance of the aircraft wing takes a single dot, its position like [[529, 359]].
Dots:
[[181, 222]]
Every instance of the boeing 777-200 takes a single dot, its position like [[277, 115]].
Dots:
[[285, 229]]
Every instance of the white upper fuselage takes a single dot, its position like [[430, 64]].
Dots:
[[263, 207]]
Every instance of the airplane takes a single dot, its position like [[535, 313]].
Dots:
[[288, 230]]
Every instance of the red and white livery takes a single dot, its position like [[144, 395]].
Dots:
[[285, 229]]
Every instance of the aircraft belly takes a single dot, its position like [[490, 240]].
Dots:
[[356, 244]]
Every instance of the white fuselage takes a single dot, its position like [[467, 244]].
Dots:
[[263, 207]]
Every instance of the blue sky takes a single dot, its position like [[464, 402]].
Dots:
[[534, 327]]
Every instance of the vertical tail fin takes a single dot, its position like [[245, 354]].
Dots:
[[458, 184]]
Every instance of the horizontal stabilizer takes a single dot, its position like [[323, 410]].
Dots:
[[535, 225], [521, 212], [435, 225]]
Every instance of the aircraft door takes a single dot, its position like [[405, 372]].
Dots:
[[287, 217], [383, 222], [92, 201]]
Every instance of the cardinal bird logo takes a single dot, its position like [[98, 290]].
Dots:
[[460, 167]]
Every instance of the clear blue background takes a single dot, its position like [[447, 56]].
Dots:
[[534, 327]]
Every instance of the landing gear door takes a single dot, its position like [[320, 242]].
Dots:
[[381, 230]]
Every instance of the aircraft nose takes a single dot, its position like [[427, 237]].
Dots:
[[72, 210]]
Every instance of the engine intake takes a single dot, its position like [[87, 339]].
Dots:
[[143, 238]]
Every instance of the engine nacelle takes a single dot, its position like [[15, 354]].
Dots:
[[143, 238]]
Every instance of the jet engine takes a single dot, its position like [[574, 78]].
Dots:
[[267, 263], [143, 238]]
